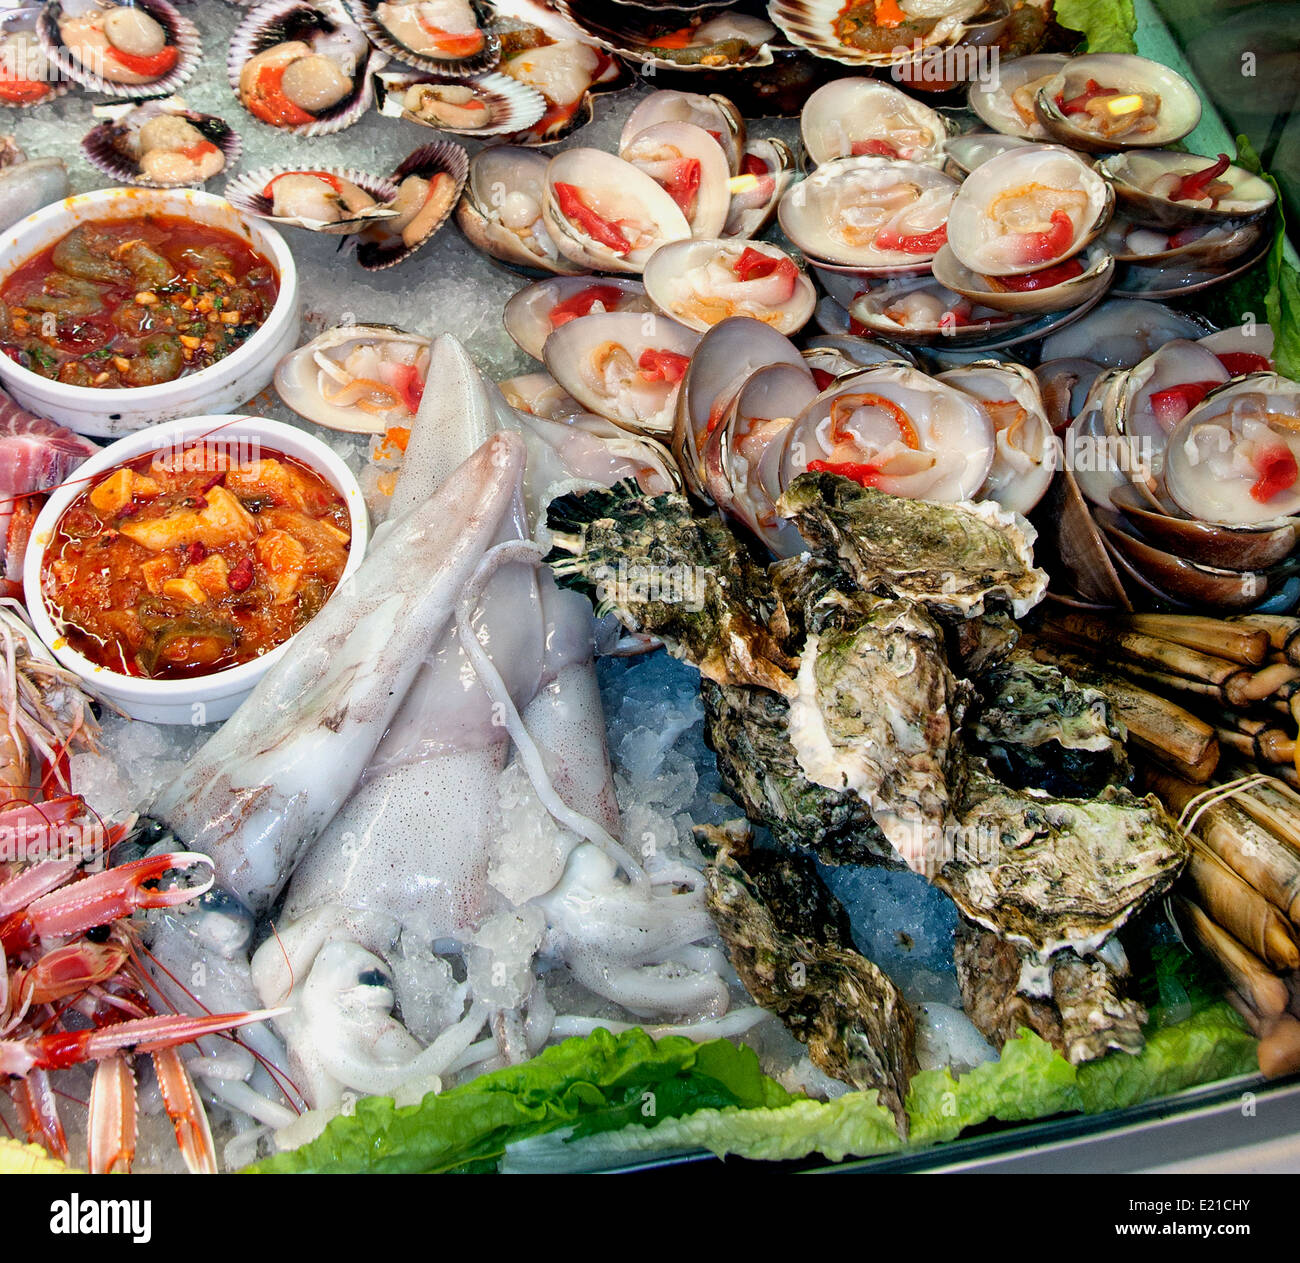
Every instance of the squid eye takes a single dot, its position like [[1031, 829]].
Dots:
[[373, 978]]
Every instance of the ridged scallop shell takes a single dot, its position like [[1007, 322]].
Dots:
[[380, 246], [245, 192], [510, 106], [181, 34], [609, 75], [364, 14], [810, 25], [113, 149], [55, 84], [281, 21]]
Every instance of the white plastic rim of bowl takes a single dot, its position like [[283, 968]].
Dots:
[[202, 699], [220, 387]]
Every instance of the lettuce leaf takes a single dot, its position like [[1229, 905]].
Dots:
[[597, 1083], [1109, 26]]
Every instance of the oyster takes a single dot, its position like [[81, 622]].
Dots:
[[302, 68], [957, 559], [142, 49], [161, 144], [26, 76], [450, 38], [789, 940], [485, 105], [429, 183], [855, 117], [321, 200]]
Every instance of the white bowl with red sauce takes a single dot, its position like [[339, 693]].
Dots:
[[220, 386], [200, 698]]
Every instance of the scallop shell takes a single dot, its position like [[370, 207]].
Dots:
[[181, 33], [382, 246], [55, 85], [245, 192], [607, 75], [281, 21], [112, 145], [510, 106], [810, 25], [365, 16]]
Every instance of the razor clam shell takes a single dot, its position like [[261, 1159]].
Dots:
[[363, 13], [109, 146], [244, 192], [512, 106], [381, 249], [180, 31], [256, 33], [56, 86], [294, 384]]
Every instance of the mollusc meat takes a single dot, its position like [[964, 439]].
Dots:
[[485, 105], [26, 76], [535, 312], [161, 144], [855, 117], [322, 200], [567, 72], [690, 166], [442, 37], [429, 184], [713, 113]]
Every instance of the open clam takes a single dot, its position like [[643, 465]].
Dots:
[[1169, 189], [854, 117], [304, 68], [1120, 333], [690, 166], [26, 75], [624, 367], [536, 311], [500, 210], [329, 200], [429, 184], [161, 144], [451, 38], [766, 170], [1201, 246], [1006, 102], [1068, 284], [142, 49], [486, 105], [918, 309], [714, 113], [702, 282], [1107, 101], [364, 379], [962, 154]]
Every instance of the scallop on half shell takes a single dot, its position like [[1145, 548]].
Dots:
[[429, 184], [446, 38], [485, 105], [337, 200], [27, 76], [142, 49], [160, 144]]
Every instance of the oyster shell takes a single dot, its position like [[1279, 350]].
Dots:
[[956, 559], [447, 38], [484, 105], [142, 49], [429, 183], [26, 75], [161, 144], [789, 940]]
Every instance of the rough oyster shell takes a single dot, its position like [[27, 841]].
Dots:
[[505, 104], [114, 145]]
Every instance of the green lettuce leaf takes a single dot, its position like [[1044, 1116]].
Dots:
[[1109, 26], [598, 1083]]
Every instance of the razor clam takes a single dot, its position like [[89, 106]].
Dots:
[[305, 69], [690, 166], [447, 38], [624, 366], [702, 282], [766, 169], [714, 113], [536, 311], [852, 117], [142, 49], [27, 186], [26, 76], [500, 210], [485, 105], [329, 200], [363, 379], [160, 144], [429, 184]]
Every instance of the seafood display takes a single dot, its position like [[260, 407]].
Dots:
[[820, 648]]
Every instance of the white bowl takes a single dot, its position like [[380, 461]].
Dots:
[[217, 388], [203, 699]]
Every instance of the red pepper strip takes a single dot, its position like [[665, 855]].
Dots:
[[1277, 471], [1239, 363], [663, 366], [580, 214], [846, 405], [1044, 278], [683, 186], [1174, 403], [332, 180], [608, 296], [21, 91], [1079, 104], [863, 475], [919, 243], [410, 385], [460, 45], [268, 102], [1035, 247], [151, 64], [882, 148], [240, 577], [1191, 188]]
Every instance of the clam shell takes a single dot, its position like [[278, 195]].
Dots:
[[111, 146], [381, 247], [1121, 334], [281, 21], [745, 221], [364, 13], [56, 85], [964, 153], [527, 313], [27, 186], [181, 34], [245, 192], [509, 106], [846, 113], [1099, 271], [1220, 244], [648, 148], [1133, 280], [991, 99], [1132, 174], [715, 113]]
